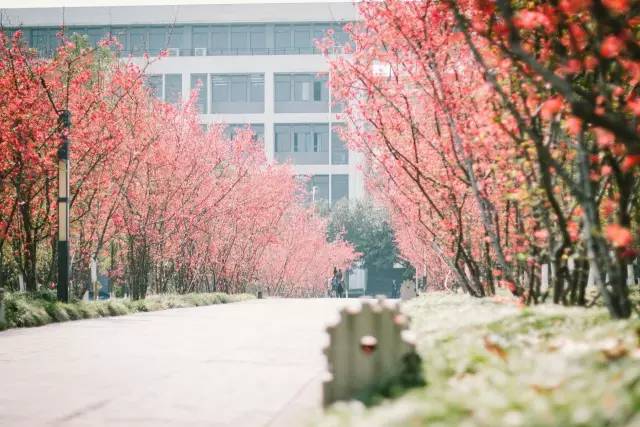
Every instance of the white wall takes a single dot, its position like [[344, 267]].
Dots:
[[182, 14]]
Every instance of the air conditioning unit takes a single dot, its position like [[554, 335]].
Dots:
[[200, 51], [173, 51]]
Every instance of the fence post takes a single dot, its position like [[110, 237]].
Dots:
[[369, 347], [544, 277]]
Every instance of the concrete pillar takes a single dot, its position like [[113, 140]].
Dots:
[[269, 107]]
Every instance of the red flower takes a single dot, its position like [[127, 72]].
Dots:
[[611, 47], [604, 138], [571, 7], [617, 6], [618, 235], [631, 161], [551, 107]]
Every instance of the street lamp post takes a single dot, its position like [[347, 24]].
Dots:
[[63, 208]]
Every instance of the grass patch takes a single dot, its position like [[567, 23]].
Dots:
[[24, 310], [492, 364]]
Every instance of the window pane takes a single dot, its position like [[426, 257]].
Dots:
[[173, 88], [154, 82], [40, 41], [283, 37], [120, 34], [138, 42], [317, 91], [157, 41], [258, 129], [302, 37], [94, 35], [220, 39], [201, 80], [321, 182], [239, 38], [220, 88], [283, 88], [239, 89], [301, 140], [175, 37], [339, 187], [302, 88], [283, 142], [339, 151], [321, 139], [200, 37], [258, 39], [256, 88]]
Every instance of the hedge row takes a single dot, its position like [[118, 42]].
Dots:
[[24, 310]]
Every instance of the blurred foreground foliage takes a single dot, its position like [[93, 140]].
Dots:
[[488, 363]]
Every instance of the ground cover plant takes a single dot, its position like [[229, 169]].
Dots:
[[26, 310], [491, 363]]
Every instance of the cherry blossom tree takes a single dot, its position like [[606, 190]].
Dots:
[[503, 136], [159, 203]]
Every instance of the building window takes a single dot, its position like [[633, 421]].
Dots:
[[339, 188], [138, 40], [283, 88], [239, 39], [175, 39], [239, 89], [317, 90], [173, 88], [200, 37], [234, 39], [318, 188], [257, 128], [302, 144], [257, 38], [339, 151], [154, 83], [94, 35], [301, 93], [282, 37], [302, 38], [256, 88], [120, 34], [283, 140], [237, 93], [220, 39], [157, 40], [220, 88], [199, 83]]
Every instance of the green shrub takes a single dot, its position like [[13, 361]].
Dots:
[[57, 312], [101, 307], [88, 310], [24, 310], [117, 308], [73, 310]]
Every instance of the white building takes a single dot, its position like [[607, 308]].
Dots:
[[256, 64]]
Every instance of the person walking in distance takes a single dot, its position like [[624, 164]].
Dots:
[[333, 291], [340, 290]]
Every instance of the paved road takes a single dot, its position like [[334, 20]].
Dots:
[[256, 363]]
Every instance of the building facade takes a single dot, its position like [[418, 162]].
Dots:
[[253, 64]]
